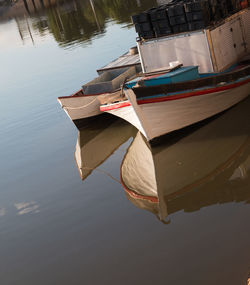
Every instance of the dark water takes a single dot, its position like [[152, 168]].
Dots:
[[56, 228]]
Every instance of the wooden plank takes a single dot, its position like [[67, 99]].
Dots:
[[211, 48], [125, 60]]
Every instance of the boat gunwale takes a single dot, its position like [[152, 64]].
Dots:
[[174, 87], [74, 96]]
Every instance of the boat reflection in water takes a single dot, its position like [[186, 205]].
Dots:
[[206, 165], [97, 141]]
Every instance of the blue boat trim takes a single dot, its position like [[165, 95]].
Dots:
[[179, 75], [182, 74], [192, 90]]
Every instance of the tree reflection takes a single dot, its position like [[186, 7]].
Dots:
[[81, 20], [77, 20]]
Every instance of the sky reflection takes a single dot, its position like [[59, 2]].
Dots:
[[2, 212], [27, 208]]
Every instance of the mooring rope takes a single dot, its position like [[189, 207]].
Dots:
[[103, 172], [80, 107]]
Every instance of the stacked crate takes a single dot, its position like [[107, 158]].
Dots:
[[143, 25], [213, 8], [160, 21], [177, 18], [222, 8], [198, 14], [183, 15], [233, 6]]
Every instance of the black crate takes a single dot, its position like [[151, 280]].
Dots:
[[147, 35], [180, 28], [138, 28], [198, 16], [183, 28], [162, 28], [194, 16], [163, 32], [140, 18], [143, 27], [212, 2], [176, 10], [235, 6], [195, 6], [215, 15], [135, 19], [197, 11], [164, 24], [230, 6], [177, 20], [152, 14], [222, 9], [157, 14], [197, 25]]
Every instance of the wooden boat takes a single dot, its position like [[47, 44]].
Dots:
[[98, 141], [83, 106], [214, 77], [203, 165], [160, 104]]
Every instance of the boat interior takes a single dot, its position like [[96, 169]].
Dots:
[[181, 78], [110, 81], [237, 72]]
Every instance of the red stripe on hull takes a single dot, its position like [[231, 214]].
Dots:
[[139, 196], [195, 93], [116, 106]]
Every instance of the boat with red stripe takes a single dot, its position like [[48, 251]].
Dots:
[[156, 110]]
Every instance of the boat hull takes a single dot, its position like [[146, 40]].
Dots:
[[85, 104], [157, 116], [80, 107]]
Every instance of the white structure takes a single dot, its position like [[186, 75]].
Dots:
[[213, 49]]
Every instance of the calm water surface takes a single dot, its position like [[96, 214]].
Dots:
[[99, 206]]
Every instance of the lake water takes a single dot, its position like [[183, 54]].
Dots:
[[74, 206]]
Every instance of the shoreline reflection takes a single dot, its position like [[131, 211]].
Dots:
[[69, 22]]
